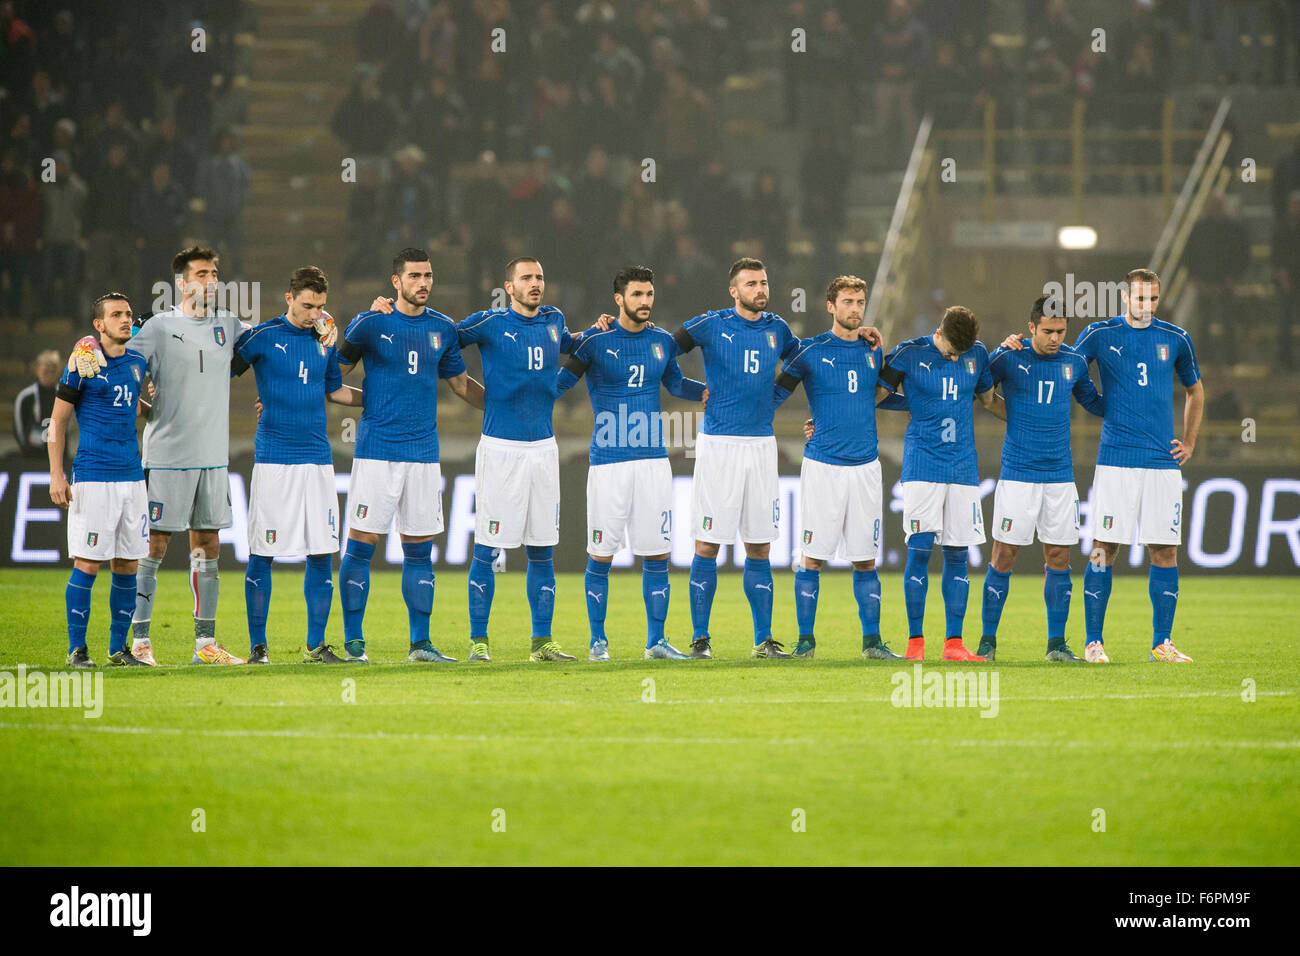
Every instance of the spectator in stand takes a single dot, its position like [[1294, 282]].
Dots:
[[34, 405], [112, 258], [364, 122], [115, 130], [410, 208], [685, 124], [835, 58], [704, 38], [46, 107], [160, 213], [533, 194], [824, 179], [1058, 28], [1286, 272], [568, 257], [1286, 179], [618, 61], [365, 225], [597, 196], [21, 140], [714, 201], [375, 30], [66, 55], [902, 50], [944, 90], [482, 211], [65, 140], [168, 146], [768, 220], [560, 120], [1048, 97], [19, 45], [224, 183], [1217, 255], [20, 230], [552, 50], [61, 241], [438, 40]]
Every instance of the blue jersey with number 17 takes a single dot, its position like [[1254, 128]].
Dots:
[[108, 449], [939, 444], [1037, 390], [741, 358], [1137, 377], [521, 356]]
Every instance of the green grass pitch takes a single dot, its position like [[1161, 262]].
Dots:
[[519, 763]]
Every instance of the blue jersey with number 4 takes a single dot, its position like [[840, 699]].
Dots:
[[939, 444], [108, 449], [1137, 377], [294, 373]]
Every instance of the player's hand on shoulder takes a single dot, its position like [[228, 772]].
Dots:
[[87, 357], [327, 331], [872, 335], [808, 429], [381, 304], [60, 493], [1181, 452], [604, 322], [1013, 341]]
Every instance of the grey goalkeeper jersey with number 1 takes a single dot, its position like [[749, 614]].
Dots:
[[189, 363]]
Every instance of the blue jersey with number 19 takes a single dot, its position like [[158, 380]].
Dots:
[[939, 444], [404, 355], [294, 373], [108, 449], [1037, 390], [521, 355], [741, 358], [1137, 377]]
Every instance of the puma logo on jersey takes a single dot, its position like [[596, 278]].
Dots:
[[763, 587], [1118, 350], [729, 336], [547, 587], [256, 582], [829, 361], [180, 338], [512, 336], [1092, 594], [808, 594], [874, 597], [916, 579], [593, 594], [962, 580], [994, 591], [282, 347], [425, 581], [613, 352], [661, 591], [924, 365], [360, 585], [82, 612], [1172, 594], [126, 610], [386, 338], [1023, 368], [699, 584]]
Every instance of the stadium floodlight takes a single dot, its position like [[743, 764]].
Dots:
[[1076, 237]]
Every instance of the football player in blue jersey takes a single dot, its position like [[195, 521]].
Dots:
[[839, 481], [1138, 485], [629, 482], [517, 464], [406, 348], [1036, 490], [941, 374], [293, 505], [106, 501]]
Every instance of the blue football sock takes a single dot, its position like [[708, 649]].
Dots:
[[807, 582], [77, 598], [121, 605], [1162, 585], [703, 583], [996, 585], [541, 588], [482, 585], [417, 587], [655, 590], [757, 583], [866, 591], [955, 588], [916, 580], [597, 585], [257, 597], [318, 589], [1056, 594], [1096, 592], [354, 587]]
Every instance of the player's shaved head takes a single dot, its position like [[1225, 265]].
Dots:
[[959, 327]]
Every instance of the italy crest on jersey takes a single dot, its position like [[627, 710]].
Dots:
[[1163, 352], [155, 510], [435, 341], [771, 340], [871, 361], [658, 351], [555, 336], [135, 372], [970, 366], [92, 539], [219, 333], [270, 536], [597, 536], [1068, 372], [320, 347]]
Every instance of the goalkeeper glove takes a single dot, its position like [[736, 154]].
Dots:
[[326, 331], [87, 358]]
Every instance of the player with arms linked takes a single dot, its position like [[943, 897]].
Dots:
[[407, 348], [106, 501], [629, 482], [293, 507], [1035, 490]]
